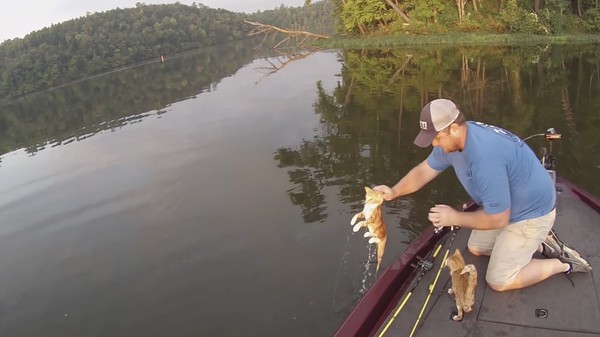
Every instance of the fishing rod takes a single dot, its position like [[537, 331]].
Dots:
[[547, 158], [426, 264]]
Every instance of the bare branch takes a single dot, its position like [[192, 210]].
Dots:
[[282, 41], [261, 28]]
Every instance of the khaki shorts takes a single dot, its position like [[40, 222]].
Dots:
[[511, 248]]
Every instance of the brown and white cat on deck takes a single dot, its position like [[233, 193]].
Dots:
[[464, 280], [373, 220]]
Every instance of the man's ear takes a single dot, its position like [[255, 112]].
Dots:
[[455, 129]]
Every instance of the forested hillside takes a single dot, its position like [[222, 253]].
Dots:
[[101, 42], [86, 46]]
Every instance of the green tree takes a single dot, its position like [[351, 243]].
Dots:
[[361, 14]]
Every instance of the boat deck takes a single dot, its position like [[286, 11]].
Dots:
[[572, 309]]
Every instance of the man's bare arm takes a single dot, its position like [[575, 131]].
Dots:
[[413, 181]]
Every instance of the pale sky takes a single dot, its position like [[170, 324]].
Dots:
[[21, 17]]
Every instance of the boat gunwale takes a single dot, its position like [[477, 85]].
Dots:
[[379, 301], [581, 194]]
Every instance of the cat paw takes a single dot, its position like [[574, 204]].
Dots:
[[358, 226], [467, 309], [368, 234], [456, 316], [450, 291], [374, 240]]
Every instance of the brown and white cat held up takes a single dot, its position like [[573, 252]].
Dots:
[[373, 221], [464, 281]]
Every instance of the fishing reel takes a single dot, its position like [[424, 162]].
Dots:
[[423, 264]]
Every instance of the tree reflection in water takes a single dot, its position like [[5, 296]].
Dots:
[[369, 120]]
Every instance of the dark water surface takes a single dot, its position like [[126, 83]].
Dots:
[[211, 195]]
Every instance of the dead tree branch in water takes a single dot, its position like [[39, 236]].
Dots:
[[401, 69], [298, 35], [279, 62]]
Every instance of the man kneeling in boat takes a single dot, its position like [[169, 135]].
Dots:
[[502, 175]]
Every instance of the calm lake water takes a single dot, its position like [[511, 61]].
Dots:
[[211, 195]]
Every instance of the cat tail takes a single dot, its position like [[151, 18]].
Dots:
[[380, 251], [470, 269], [471, 284]]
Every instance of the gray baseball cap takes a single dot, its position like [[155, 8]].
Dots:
[[435, 116]]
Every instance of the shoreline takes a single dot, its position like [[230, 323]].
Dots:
[[455, 39]]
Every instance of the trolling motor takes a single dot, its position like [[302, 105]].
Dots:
[[547, 158]]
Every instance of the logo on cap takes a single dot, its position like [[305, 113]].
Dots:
[[423, 125]]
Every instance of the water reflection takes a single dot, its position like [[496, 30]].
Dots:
[[179, 224], [110, 101], [369, 121]]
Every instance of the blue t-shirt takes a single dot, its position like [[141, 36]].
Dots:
[[499, 171]]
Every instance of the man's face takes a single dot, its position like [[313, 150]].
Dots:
[[446, 141]]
